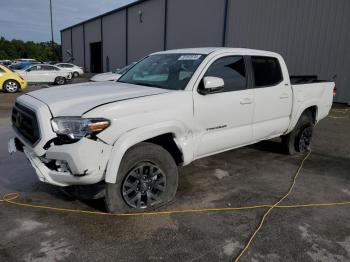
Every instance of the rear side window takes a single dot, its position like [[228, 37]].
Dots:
[[267, 71], [232, 70], [48, 68], [35, 68]]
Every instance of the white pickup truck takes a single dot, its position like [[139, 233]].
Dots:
[[169, 109]]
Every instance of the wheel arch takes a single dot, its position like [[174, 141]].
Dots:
[[171, 136], [310, 109], [11, 79], [312, 112]]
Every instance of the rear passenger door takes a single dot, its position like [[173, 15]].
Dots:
[[49, 73], [273, 98], [224, 119]]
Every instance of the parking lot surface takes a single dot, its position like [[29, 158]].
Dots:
[[254, 175]]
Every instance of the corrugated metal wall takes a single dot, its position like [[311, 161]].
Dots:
[[114, 40], [195, 23], [145, 29], [312, 35], [92, 35], [78, 45], [66, 44]]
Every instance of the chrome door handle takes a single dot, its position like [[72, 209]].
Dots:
[[246, 101]]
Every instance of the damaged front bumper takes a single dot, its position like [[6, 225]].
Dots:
[[80, 163]]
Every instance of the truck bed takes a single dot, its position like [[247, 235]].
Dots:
[[305, 79]]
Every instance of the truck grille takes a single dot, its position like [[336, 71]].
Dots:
[[25, 122]]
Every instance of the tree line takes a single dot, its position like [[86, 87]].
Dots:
[[14, 49]]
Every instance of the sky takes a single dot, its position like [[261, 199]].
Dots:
[[29, 20]]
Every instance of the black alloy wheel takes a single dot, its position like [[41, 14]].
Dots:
[[144, 186], [304, 141]]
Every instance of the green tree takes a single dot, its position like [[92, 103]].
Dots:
[[14, 49]]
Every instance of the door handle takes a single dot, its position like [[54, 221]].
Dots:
[[246, 101], [284, 96]]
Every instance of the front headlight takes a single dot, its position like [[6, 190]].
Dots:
[[76, 127]]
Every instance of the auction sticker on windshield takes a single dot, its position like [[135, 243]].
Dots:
[[189, 57]]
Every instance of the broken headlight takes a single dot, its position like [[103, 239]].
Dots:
[[76, 128]]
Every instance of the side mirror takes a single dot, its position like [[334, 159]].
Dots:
[[212, 85]]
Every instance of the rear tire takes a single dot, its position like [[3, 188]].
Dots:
[[299, 140], [11, 86], [147, 179], [75, 74], [60, 80]]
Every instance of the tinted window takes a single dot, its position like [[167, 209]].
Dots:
[[267, 71], [35, 68], [48, 68], [231, 70]]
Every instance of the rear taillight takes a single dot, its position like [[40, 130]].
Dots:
[[334, 91]]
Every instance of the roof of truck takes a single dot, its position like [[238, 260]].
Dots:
[[209, 50]]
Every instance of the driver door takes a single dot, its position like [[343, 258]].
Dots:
[[224, 119]]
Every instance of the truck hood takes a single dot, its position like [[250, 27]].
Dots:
[[75, 100]]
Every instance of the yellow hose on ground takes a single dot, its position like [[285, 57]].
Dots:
[[271, 208], [12, 197]]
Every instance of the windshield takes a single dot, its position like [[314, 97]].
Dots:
[[123, 69], [168, 71]]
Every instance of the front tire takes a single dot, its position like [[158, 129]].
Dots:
[[299, 140], [147, 179], [11, 86], [60, 80]]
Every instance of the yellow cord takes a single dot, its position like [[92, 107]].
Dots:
[[271, 208], [12, 197]]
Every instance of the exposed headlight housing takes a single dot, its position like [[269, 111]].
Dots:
[[76, 128]]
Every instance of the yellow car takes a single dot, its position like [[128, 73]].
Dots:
[[10, 81]]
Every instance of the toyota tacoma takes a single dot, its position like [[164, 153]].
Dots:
[[167, 110]]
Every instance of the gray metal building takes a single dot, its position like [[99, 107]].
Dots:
[[313, 35]]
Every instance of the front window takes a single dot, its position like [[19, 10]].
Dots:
[[167, 71], [232, 70]]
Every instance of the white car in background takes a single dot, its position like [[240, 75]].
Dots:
[[74, 69], [111, 76], [43, 73]]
